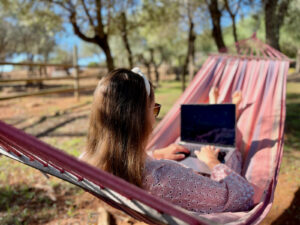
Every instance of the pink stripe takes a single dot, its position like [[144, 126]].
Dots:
[[263, 92]]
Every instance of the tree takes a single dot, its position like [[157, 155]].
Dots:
[[30, 35], [7, 39], [232, 8], [90, 21], [275, 12], [124, 25], [190, 56], [290, 33], [216, 13], [161, 38]]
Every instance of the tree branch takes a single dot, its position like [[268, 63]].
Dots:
[[87, 14], [228, 8], [109, 17], [77, 30], [61, 4], [238, 6], [99, 19]]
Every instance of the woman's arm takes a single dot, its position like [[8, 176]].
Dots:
[[224, 191]]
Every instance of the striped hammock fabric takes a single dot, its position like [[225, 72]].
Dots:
[[259, 128], [260, 138]]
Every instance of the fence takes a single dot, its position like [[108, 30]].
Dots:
[[76, 88]]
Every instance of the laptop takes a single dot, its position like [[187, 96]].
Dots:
[[207, 124]]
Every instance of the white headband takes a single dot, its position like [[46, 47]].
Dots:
[[139, 72]]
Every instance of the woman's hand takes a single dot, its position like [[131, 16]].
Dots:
[[209, 155], [170, 152]]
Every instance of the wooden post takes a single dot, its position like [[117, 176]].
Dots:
[[298, 62], [76, 79]]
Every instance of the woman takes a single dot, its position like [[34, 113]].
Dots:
[[122, 118]]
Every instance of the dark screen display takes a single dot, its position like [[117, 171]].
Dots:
[[212, 124]]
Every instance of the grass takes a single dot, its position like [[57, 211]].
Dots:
[[73, 146], [291, 159], [20, 204], [292, 129], [167, 94]]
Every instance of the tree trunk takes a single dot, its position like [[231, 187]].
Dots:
[[46, 59], [275, 12], [30, 72], [191, 67], [103, 43], [216, 14], [235, 33], [124, 35], [152, 61], [232, 16], [190, 52], [40, 83], [177, 71], [234, 29], [148, 66], [271, 24], [100, 38], [298, 62], [156, 75]]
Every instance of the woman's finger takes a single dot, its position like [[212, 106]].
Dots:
[[179, 148], [205, 148], [178, 156]]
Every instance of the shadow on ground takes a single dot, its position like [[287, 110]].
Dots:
[[291, 215], [33, 205]]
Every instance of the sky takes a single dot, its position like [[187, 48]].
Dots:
[[66, 41]]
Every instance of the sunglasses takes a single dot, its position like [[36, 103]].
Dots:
[[156, 109]]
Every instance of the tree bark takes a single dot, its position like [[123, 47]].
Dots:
[[103, 43], [275, 12], [124, 35], [272, 24], [190, 52], [216, 14], [155, 65]]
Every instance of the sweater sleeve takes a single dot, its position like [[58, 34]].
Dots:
[[224, 191]]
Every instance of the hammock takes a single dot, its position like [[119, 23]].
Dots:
[[262, 81]]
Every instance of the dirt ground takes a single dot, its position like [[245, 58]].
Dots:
[[61, 120]]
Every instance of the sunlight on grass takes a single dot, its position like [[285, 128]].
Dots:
[[167, 94], [292, 129], [293, 87], [291, 158], [73, 146]]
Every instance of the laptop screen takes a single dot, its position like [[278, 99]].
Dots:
[[211, 124]]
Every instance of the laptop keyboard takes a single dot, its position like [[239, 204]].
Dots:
[[192, 148]]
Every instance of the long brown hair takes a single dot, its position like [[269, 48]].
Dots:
[[119, 126]]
